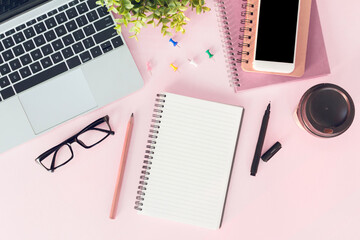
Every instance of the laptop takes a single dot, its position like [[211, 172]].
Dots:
[[58, 60]]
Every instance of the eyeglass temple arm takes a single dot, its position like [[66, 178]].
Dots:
[[94, 124], [103, 130]]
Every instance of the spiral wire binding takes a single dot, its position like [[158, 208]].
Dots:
[[234, 58], [153, 135], [245, 32], [227, 43]]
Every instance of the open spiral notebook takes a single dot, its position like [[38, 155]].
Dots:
[[235, 20], [188, 160]]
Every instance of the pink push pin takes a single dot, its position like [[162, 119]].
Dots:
[[148, 68]]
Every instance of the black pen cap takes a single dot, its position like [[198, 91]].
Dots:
[[271, 152]]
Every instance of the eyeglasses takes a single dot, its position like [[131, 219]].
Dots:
[[90, 136]]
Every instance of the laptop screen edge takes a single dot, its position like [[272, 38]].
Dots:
[[18, 10]]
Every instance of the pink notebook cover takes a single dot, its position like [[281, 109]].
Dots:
[[232, 19]]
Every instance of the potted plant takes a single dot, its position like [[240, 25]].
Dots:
[[168, 14]]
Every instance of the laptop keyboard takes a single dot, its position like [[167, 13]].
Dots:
[[54, 43]]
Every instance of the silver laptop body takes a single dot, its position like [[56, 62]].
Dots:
[[89, 79]]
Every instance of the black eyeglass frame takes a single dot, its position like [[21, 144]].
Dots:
[[75, 138]]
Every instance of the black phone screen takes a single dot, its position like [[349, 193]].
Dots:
[[277, 27]]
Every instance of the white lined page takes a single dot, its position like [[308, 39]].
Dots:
[[192, 161]]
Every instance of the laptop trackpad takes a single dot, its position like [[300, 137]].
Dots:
[[57, 100]]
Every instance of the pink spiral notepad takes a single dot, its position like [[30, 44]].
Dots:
[[233, 15]]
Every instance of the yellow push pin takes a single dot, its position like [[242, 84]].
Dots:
[[173, 67]]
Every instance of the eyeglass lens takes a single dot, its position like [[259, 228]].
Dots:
[[94, 135], [58, 158]]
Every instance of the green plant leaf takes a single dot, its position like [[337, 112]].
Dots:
[[169, 14]]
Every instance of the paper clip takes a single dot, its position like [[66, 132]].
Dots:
[[192, 62], [174, 43], [173, 67], [209, 53]]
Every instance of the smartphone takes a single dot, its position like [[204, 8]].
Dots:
[[276, 36]]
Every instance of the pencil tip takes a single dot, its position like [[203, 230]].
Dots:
[[132, 115]]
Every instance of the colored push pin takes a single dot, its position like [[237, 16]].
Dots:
[[173, 67], [174, 43], [148, 68], [209, 53], [192, 62]]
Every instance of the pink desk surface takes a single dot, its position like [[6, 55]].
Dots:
[[309, 190]]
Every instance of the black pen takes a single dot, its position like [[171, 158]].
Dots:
[[260, 143]]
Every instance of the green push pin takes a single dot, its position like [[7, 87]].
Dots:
[[209, 53]]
